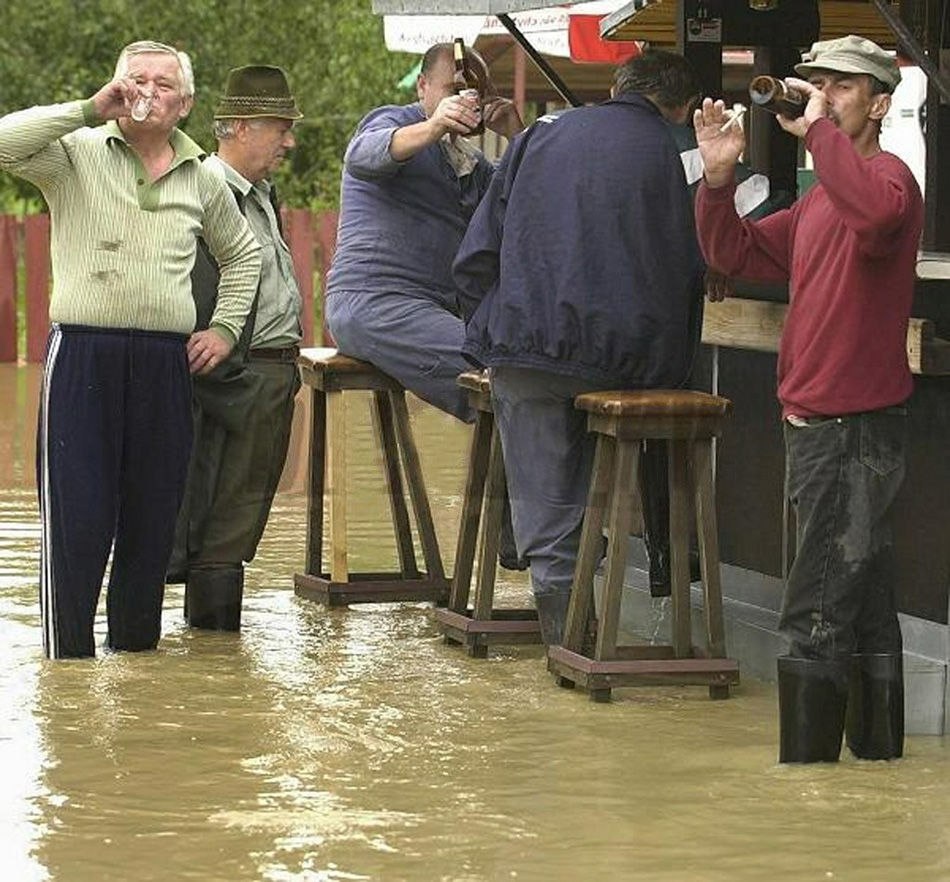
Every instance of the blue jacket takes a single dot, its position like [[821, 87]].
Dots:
[[401, 222], [582, 258]]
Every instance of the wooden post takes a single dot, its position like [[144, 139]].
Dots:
[[299, 233], [8, 288], [326, 245], [36, 251]]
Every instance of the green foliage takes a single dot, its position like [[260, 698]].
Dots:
[[332, 50]]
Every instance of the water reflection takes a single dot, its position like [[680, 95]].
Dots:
[[354, 745]]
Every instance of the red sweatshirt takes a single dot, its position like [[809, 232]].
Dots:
[[848, 249]]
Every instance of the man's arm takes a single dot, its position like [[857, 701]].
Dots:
[[753, 250], [237, 253]]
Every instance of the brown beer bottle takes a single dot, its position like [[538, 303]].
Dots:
[[776, 97], [465, 82]]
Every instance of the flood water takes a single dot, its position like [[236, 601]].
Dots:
[[354, 745]]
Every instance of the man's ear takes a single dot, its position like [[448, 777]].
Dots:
[[186, 104], [880, 104], [420, 85]]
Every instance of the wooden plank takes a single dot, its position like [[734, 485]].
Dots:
[[704, 494], [316, 483], [625, 479], [412, 467], [588, 555], [36, 259], [495, 494], [757, 324], [471, 511], [8, 288], [336, 469], [679, 547], [383, 423]]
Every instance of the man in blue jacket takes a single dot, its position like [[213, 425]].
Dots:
[[580, 271]]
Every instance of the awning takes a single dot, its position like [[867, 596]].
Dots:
[[655, 21], [570, 31]]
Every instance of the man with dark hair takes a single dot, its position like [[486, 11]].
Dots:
[[410, 185], [847, 250], [129, 198], [579, 272], [245, 407]]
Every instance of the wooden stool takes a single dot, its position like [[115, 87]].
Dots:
[[687, 421], [482, 625], [329, 375]]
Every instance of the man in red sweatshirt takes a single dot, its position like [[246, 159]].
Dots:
[[847, 250]]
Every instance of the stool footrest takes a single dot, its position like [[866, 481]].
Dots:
[[371, 588], [596, 675], [505, 626]]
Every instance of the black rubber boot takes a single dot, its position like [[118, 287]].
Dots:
[[812, 695], [213, 598], [875, 720], [552, 614]]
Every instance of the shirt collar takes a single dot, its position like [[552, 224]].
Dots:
[[236, 180], [185, 149]]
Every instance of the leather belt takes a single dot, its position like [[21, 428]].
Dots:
[[286, 354]]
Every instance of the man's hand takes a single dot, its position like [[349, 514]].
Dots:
[[456, 115], [115, 98], [816, 107], [718, 285], [720, 150], [206, 350], [501, 116]]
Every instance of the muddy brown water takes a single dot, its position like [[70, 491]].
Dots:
[[354, 745]]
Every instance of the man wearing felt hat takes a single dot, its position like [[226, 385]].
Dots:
[[847, 249], [243, 409]]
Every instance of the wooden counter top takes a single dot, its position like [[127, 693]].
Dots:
[[757, 324]]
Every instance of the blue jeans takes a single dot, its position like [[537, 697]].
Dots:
[[842, 476], [548, 458], [416, 341]]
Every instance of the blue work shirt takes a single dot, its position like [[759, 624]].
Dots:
[[401, 222]]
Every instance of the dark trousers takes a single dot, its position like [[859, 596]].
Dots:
[[233, 475], [113, 441], [842, 476]]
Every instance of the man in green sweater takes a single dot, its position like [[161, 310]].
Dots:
[[128, 199]]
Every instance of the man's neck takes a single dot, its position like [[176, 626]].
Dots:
[[233, 159], [149, 144]]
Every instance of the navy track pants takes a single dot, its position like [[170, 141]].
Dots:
[[113, 442]]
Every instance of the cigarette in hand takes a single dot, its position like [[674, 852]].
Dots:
[[736, 116]]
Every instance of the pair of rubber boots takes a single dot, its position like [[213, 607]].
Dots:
[[213, 597], [862, 697]]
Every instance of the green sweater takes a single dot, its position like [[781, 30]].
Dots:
[[123, 246]]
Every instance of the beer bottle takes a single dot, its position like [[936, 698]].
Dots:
[[465, 82], [776, 97]]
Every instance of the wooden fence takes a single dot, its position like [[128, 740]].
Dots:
[[25, 252]]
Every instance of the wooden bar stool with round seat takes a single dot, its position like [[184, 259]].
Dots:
[[330, 375], [485, 489], [688, 421]]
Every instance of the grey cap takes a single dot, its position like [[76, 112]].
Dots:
[[852, 54]]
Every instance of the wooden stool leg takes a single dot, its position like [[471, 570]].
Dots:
[[336, 468], [383, 418], [625, 479], [471, 511], [679, 547], [491, 531], [588, 554], [315, 486], [417, 491], [707, 532]]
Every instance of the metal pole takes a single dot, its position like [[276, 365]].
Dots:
[[910, 45], [550, 74]]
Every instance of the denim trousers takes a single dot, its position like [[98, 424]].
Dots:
[[842, 476]]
